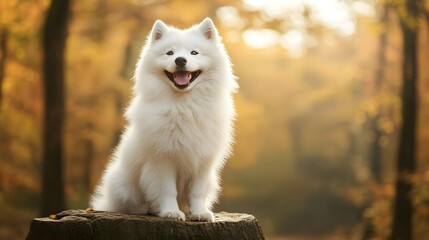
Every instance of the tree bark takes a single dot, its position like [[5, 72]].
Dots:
[[54, 43], [3, 56], [81, 224], [406, 162]]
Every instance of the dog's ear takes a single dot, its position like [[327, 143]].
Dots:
[[208, 29], [158, 30]]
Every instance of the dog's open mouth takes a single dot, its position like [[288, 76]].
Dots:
[[182, 79]]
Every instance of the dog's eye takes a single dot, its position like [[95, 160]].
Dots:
[[170, 53], [194, 53]]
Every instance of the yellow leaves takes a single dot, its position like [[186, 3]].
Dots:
[[410, 20], [377, 27], [384, 108], [20, 112], [379, 212], [184, 19], [420, 200], [386, 125], [22, 16], [12, 178], [423, 211], [372, 108], [421, 189], [380, 215], [8, 11], [426, 176]]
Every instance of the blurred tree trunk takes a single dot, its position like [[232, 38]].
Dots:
[[3, 55], [406, 162], [375, 150], [54, 43]]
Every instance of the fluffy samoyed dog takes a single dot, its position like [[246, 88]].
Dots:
[[180, 128]]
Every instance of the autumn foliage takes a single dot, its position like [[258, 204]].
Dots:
[[308, 116]]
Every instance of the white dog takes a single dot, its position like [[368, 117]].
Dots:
[[180, 128]]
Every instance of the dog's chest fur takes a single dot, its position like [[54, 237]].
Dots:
[[184, 129]]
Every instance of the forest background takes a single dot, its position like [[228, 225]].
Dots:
[[320, 116]]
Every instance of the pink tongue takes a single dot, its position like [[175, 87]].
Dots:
[[182, 78]]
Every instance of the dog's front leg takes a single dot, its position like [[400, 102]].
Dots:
[[158, 182], [202, 188]]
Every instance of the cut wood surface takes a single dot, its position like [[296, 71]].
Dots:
[[83, 224]]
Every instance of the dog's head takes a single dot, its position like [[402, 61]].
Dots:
[[184, 57]]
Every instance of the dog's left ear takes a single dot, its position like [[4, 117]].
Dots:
[[208, 29]]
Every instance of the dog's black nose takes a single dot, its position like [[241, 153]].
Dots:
[[180, 61]]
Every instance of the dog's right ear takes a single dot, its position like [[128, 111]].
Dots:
[[158, 30]]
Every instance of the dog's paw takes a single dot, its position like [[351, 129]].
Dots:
[[202, 216], [172, 214]]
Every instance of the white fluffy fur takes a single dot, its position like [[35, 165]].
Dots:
[[170, 154]]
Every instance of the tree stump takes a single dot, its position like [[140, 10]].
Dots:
[[88, 225]]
